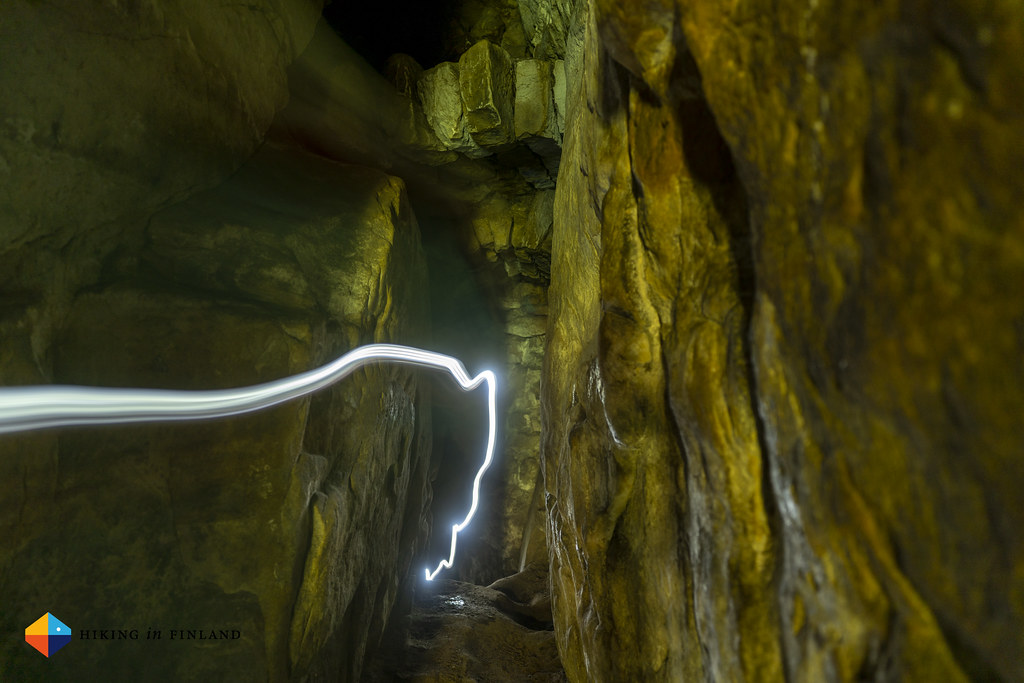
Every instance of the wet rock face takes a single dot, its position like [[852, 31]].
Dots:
[[293, 527], [783, 376]]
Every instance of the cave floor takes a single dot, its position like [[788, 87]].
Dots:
[[460, 631]]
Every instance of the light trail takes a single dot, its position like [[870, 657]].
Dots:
[[39, 407]]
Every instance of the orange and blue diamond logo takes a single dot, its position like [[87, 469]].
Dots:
[[48, 634]]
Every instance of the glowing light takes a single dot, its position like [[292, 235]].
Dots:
[[39, 407]]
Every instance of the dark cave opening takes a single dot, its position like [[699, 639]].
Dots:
[[466, 326], [377, 30], [465, 320]]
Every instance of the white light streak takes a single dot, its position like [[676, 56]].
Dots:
[[40, 407]]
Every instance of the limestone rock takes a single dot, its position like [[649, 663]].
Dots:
[[774, 296], [892, 306], [112, 112], [487, 84], [404, 73], [502, 221], [515, 228], [341, 108], [534, 233], [886, 351], [637, 398]]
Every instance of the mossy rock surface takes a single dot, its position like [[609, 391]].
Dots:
[[783, 382]]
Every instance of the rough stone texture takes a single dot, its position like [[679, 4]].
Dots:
[[513, 243], [558, 96], [442, 103], [274, 271], [342, 109], [548, 25], [782, 388], [294, 526], [535, 107], [537, 122], [522, 523], [461, 632], [651, 526], [333, 259], [887, 343], [514, 232], [483, 104], [781, 396], [487, 85]]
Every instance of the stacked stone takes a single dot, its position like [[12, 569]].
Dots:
[[487, 103]]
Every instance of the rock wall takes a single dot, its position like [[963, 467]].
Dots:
[[294, 527], [887, 341], [782, 388], [127, 260]]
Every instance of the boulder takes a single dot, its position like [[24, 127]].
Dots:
[[487, 85], [438, 89]]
